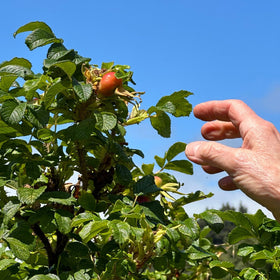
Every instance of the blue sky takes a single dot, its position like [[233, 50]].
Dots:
[[216, 49]]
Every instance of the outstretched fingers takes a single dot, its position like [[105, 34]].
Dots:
[[212, 155], [219, 130], [236, 112]]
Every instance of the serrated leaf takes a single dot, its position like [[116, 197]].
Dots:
[[32, 26], [196, 253], [63, 198], [105, 120], [174, 150], [245, 251], [87, 201], [82, 218], [38, 116], [192, 197], [183, 166], [83, 91], [5, 263], [16, 70], [19, 249], [45, 277], [160, 161], [67, 66], [63, 221], [213, 220], [91, 229], [57, 51], [176, 104], [9, 211], [190, 228], [52, 91], [221, 264], [146, 185], [29, 195], [237, 218], [148, 168], [238, 234], [107, 65], [123, 175], [12, 111], [121, 231], [161, 123], [40, 37]]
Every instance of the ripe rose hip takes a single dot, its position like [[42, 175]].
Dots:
[[108, 84]]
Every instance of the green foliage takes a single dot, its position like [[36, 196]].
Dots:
[[74, 205]]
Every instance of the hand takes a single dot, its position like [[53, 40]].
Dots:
[[255, 167]]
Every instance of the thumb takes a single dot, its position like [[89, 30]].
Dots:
[[212, 154]]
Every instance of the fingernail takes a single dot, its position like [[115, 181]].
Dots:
[[191, 149]]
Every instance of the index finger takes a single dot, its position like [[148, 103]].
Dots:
[[234, 111]]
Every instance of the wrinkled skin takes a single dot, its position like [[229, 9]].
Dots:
[[253, 168]]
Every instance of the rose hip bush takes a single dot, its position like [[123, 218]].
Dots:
[[74, 205]]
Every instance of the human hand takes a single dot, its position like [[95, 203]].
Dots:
[[255, 167]]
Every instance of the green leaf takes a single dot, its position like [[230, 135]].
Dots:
[[19, 249], [160, 161], [12, 111], [154, 211], [249, 273], [45, 277], [91, 229], [40, 37], [5, 83], [237, 218], [29, 195], [176, 104], [183, 166], [121, 231], [63, 198], [5, 263], [87, 201], [190, 228], [213, 220], [57, 51], [16, 70], [9, 211], [192, 197], [63, 221], [146, 185], [68, 67], [38, 116], [197, 253], [32, 26], [107, 65], [123, 175], [239, 233], [78, 132], [161, 123], [83, 91], [245, 251], [52, 91], [148, 168], [105, 120], [175, 149], [82, 218], [17, 61]]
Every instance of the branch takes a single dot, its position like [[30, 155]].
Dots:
[[51, 255]]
